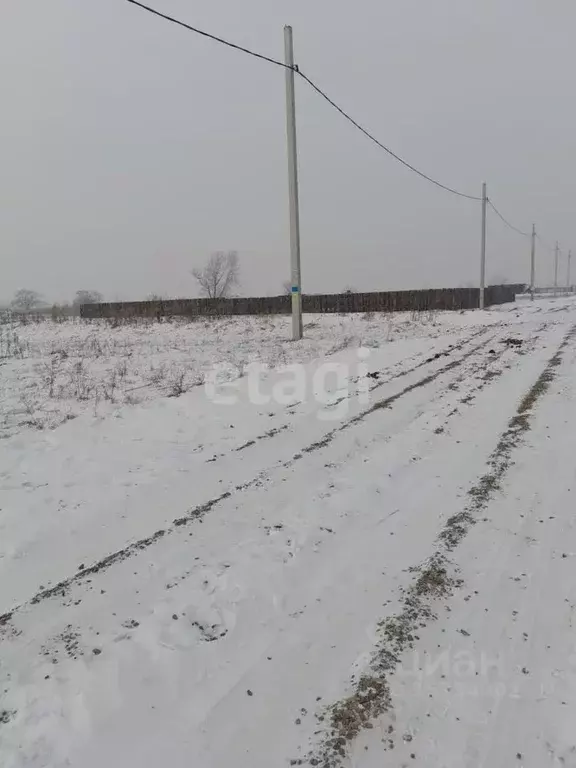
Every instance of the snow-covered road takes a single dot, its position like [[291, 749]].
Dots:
[[377, 578]]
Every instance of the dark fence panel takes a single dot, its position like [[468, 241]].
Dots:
[[502, 294], [389, 301]]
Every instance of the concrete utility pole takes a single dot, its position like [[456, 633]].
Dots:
[[293, 187], [483, 248], [533, 263], [568, 271], [556, 251]]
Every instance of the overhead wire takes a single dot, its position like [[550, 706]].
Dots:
[[216, 39], [335, 106], [545, 244], [383, 146], [316, 88], [524, 234], [497, 212]]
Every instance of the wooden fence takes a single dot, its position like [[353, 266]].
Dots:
[[390, 301]]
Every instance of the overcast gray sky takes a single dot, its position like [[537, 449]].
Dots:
[[131, 148]]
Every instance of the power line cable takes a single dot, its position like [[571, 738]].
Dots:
[[497, 212], [550, 248], [314, 86], [333, 104], [379, 143], [545, 244], [208, 35]]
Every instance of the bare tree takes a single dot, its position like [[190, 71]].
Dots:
[[287, 288], [26, 300], [219, 276], [350, 289], [87, 297]]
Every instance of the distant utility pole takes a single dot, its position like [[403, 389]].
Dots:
[[569, 265], [483, 248], [556, 251], [533, 263], [296, 286]]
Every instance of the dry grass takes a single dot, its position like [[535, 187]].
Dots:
[[55, 371]]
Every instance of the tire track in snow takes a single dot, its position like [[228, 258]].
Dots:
[[437, 579], [197, 513], [380, 383], [387, 402]]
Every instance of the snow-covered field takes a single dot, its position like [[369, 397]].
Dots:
[[52, 372], [362, 555]]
